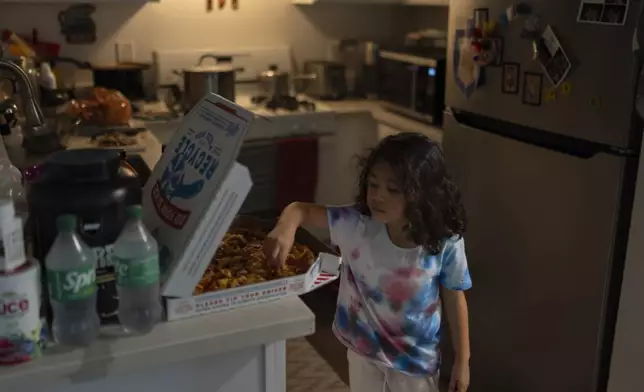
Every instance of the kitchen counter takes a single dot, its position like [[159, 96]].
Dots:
[[239, 350], [381, 115], [21, 159]]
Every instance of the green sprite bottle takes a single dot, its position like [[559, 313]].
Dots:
[[71, 278]]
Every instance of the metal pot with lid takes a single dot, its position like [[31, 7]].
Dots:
[[274, 83], [218, 78]]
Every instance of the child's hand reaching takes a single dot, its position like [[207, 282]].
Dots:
[[460, 377], [278, 244]]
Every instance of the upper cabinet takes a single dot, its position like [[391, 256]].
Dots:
[[403, 2]]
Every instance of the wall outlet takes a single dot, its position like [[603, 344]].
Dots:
[[124, 52]]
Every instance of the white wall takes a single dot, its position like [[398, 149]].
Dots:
[[185, 24], [173, 24]]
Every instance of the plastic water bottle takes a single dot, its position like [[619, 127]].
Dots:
[[71, 277], [137, 276]]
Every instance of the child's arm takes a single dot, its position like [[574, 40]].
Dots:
[[454, 279], [279, 241], [298, 214], [457, 317]]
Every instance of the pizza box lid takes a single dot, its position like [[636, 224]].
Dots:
[[195, 191]]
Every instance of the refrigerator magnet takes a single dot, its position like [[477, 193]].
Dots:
[[531, 27], [606, 12], [552, 57], [550, 95], [532, 88], [510, 79], [481, 18], [498, 60], [565, 89], [467, 73]]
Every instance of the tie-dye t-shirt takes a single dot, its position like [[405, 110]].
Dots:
[[388, 305]]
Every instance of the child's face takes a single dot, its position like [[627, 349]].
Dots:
[[385, 198]]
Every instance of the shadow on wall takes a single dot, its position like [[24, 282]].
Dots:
[[177, 24], [373, 21], [182, 24], [109, 20], [335, 21]]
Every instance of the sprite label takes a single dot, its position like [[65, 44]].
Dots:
[[137, 273], [72, 284]]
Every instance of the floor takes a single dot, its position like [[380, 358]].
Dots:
[[307, 371], [322, 303]]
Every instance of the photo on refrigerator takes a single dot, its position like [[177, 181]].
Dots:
[[552, 57], [510, 78], [607, 12], [532, 88]]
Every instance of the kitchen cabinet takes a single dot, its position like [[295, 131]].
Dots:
[[392, 128], [427, 2], [385, 130]]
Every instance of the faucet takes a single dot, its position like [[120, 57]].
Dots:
[[37, 135], [35, 120]]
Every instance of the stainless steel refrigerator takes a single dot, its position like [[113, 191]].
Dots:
[[548, 190]]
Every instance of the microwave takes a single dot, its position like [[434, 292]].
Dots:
[[412, 83]]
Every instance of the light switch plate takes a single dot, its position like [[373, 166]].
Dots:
[[124, 52]]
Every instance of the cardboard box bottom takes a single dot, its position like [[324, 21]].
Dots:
[[324, 271]]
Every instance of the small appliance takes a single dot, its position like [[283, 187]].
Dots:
[[411, 81]]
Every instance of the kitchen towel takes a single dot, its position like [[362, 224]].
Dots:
[[297, 170]]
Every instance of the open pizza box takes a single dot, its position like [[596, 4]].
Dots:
[[191, 199], [324, 270]]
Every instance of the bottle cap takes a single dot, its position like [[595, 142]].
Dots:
[[7, 210], [134, 211], [66, 222]]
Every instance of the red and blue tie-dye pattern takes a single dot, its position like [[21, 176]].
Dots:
[[388, 305]]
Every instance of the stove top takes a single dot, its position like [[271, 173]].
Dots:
[[284, 103]]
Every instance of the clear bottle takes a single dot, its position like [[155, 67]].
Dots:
[[137, 275], [71, 277], [11, 187]]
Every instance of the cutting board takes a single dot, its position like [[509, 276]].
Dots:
[[253, 59]]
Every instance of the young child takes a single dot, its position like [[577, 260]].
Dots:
[[401, 245]]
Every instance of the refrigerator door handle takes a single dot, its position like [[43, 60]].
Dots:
[[568, 145]]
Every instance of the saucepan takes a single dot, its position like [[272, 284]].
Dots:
[[199, 80]]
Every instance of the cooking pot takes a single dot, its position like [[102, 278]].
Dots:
[[202, 79], [274, 83]]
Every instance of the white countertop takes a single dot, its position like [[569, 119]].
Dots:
[[168, 343], [150, 155], [21, 159], [273, 124], [380, 114]]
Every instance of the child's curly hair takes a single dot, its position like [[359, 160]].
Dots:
[[434, 208]]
